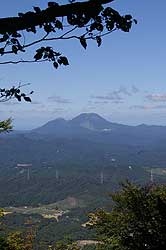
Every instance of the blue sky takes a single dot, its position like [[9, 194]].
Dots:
[[123, 80]]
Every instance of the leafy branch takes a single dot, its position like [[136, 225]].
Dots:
[[14, 92], [88, 20], [6, 125]]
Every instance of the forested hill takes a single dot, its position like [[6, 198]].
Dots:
[[86, 139], [75, 165]]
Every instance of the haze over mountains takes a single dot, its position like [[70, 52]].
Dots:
[[68, 157], [86, 138], [85, 123], [94, 124]]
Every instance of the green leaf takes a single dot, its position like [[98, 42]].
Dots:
[[59, 61], [38, 56], [128, 17], [55, 64], [64, 60], [14, 49], [1, 51], [110, 25], [5, 37], [98, 40], [6, 125], [99, 27], [27, 99], [48, 28], [83, 42], [58, 24], [20, 14], [37, 9], [18, 97], [52, 4]]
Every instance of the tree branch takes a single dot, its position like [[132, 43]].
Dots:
[[22, 61], [33, 19], [44, 38], [41, 40]]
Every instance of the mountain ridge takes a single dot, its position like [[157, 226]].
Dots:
[[60, 121], [60, 142], [85, 121]]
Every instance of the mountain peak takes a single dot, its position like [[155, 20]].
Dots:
[[56, 121], [88, 116], [51, 126], [91, 121]]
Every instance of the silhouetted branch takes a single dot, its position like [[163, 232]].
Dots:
[[49, 39], [14, 92], [89, 20], [43, 39], [30, 19], [22, 61]]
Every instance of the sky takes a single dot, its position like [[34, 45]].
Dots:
[[124, 80]]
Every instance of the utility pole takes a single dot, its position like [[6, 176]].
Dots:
[[151, 176], [28, 174], [25, 168], [57, 174], [101, 178]]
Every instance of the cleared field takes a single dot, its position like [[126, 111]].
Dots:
[[53, 210], [44, 211]]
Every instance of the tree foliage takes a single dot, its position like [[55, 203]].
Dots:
[[13, 241], [83, 21], [137, 220], [66, 244], [17, 240], [14, 92], [6, 125], [9, 94]]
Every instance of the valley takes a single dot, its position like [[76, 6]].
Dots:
[[52, 177]]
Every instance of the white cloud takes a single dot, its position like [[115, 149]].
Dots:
[[117, 96], [59, 99], [113, 96], [156, 97], [148, 107]]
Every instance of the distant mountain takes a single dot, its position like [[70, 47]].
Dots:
[[83, 124], [83, 146], [93, 127], [51, 127], [91, 121], [86, 140]]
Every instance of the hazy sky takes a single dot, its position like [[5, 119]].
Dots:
[[124, 80]]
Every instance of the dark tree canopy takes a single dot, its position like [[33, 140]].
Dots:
[[137, 219]]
